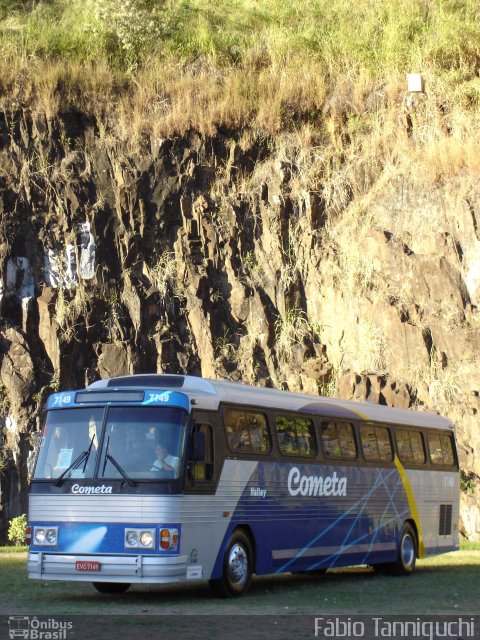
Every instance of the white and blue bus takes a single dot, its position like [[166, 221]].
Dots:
[[169, 478]]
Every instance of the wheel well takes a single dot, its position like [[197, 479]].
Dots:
[[249, 533], [415, 531]]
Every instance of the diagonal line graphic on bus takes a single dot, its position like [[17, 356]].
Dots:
[[391, 496], [382, 522], [362, 501], [380, 481], [353, 542]]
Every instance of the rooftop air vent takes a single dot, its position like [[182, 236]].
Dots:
[[152, 381]]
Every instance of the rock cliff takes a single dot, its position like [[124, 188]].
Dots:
[[226, 256]]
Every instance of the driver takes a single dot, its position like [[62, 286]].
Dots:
[[164, 461]]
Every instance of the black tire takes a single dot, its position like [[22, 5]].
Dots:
[[111, 587], [406, 553], [237, 567]]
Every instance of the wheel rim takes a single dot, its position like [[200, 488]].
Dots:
[[408, 551], [237, 564]]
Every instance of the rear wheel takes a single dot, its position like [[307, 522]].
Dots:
[[406, 552], [111, 587], [237, 568]]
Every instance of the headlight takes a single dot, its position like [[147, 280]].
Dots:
[[132, 538], [39, 536], [139, 538], [146, 538], [51, 536], [45, 536]]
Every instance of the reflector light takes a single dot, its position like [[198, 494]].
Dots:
[[165, 538], [169, 539]]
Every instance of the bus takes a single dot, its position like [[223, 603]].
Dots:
[[163, 478]]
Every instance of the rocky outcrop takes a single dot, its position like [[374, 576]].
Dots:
[[221, 259]]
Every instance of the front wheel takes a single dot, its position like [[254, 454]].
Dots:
[[406, 552], [237, 567], [111, 587]]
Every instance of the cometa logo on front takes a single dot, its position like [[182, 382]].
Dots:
[[315, 485], [77, 488]]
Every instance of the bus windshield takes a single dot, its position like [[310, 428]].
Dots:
[[132, 443]]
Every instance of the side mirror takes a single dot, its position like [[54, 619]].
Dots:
[[197, 446]]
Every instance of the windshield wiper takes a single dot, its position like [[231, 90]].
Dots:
[[76, 463], [88, 453], [120, 469]]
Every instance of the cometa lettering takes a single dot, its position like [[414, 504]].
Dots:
[[315, 485], [77, 488]]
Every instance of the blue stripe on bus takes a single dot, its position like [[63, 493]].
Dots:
[[280, 521], [343, 547], [151, 397], [166, 399]]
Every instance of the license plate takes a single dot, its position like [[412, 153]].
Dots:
[[87, 565]]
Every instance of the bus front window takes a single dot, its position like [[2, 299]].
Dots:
[[68, 434], [145, 442]]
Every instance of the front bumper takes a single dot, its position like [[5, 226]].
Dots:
[[119, 568]]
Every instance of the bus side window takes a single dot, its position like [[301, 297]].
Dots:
[[410, 446], [338, 440], [435, 447], [441, 451], [347, 441], [384, 443], [417, 447], [369, 442], [296, 436], [447, 450], [404, 446], [202, 470], [376, 443], [247, 431]]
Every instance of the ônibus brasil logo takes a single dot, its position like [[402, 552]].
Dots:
[[35, 629]]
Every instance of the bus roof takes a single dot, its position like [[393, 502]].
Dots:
[[208, 394]]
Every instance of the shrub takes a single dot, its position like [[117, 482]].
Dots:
[[137, 24], [17, 530]]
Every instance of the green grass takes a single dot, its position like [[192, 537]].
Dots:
[[341, 34], [13, 549], [46, 30], [265, 64], [443, 584], [466, 545]]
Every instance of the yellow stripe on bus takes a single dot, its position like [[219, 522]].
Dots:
[[409, 492], [411, 503], [361, 415]]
